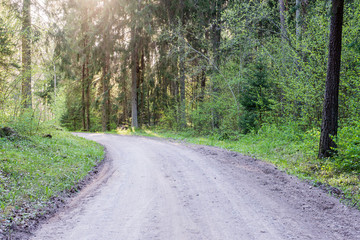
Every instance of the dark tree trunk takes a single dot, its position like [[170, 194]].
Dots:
[[125, 102], [87, 93], [182, 106], [106, 95], [134, 87], [26, 56], [182, 88], [329, 124], [142, 84], [216, 31], [85, 81], [203, 85], [83, 105], [148, 106], [216, 40]]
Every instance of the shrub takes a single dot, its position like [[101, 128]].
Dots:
[[348, 142]]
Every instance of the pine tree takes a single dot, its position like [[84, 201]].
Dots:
[[26, 55], [329, 124]]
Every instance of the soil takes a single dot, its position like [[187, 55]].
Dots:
[[158, 189]]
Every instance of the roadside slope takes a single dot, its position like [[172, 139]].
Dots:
[[37, 173], [155, 189]]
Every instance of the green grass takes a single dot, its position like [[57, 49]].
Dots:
[[34, 169], [287, 147]]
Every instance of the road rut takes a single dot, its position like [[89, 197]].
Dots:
[[156, 189]]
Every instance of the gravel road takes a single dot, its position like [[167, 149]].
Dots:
[[157, 189]]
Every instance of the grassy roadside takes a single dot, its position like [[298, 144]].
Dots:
[[289, 149], [35, 169]]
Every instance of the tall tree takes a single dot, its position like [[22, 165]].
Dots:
[[216, 42], [282, 18], [85, 93], [329, 124], [105, 62], [298, 19], [134, 65], [182, 66], [26, 55]]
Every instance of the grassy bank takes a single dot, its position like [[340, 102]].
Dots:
[[289, 148], [36, 168]]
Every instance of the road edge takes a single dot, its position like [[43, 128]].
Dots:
[[95, 177]]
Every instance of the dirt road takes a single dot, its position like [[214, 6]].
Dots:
[[156, 189]]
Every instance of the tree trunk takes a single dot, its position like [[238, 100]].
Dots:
[[106, 77], [203, 85], [86, 72], [282, 19], [216, 39], [87, 93], [83, 107], [106, 95], [125, 101], [298, 20], [26, 56], [134, 101], [182, 115], [142, 85], [329, 124], [148, 106], [85, 81], [182, 87], [216, 31]]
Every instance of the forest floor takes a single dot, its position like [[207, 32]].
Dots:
[[151, 188]]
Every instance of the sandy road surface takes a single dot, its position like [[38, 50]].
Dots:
[[156, 189]]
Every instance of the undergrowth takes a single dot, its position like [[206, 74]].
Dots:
[[288, 147], [35, 168]]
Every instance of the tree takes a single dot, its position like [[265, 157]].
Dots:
[[216, 42], [329, 124], [255, 97], [105, 66], [282, 19], [182, 66], [26, 55], [298, 19], [134, 75], [85, 78]]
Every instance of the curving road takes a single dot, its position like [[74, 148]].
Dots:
[[157, 189]]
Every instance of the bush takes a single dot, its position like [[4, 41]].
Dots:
[[348, 142], [27, 123]]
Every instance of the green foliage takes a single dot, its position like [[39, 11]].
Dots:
[[348, 158], [248, 122], [249, 79], [70, 109], [36, 168], [255, 97], [27, 123], [168, 119]]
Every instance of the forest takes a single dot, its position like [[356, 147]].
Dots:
[[276, 80], [223, 68]]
